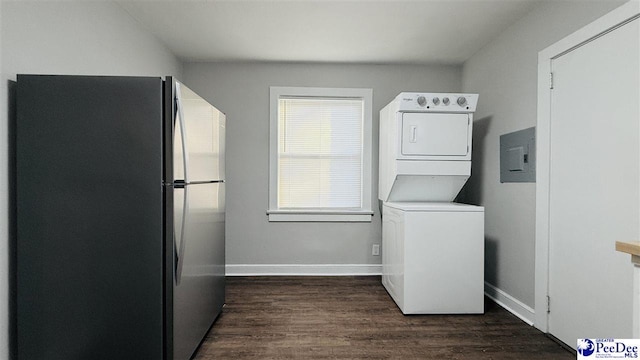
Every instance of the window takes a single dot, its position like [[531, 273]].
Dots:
[[320, 154]]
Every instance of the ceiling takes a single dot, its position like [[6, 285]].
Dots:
[[356, 31]]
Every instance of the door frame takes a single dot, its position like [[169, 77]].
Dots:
[[600, 27]]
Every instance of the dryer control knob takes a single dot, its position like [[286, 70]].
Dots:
[[436, 101], [422, 101], [445, 101], [462, 101]]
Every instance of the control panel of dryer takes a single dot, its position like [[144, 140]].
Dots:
[[438, 102]]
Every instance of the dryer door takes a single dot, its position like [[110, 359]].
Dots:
[[429, 134]]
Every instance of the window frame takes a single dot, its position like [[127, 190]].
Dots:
[[364, 214]]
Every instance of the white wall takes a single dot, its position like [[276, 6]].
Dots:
[[242, 92], [64, 38], [505, 74]]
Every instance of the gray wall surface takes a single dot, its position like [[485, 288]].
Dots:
[[63, 38], [242, 92], [505, 74]]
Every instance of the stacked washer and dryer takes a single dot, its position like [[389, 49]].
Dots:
[[432, 248]]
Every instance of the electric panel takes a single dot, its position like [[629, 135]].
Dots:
[[518, 156]]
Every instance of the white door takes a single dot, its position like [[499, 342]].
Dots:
[[593, 188]]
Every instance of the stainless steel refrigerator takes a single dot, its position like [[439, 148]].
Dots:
[[120, 217]]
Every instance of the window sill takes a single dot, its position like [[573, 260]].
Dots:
[[319, 216]]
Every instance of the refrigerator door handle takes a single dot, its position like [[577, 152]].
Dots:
[[179, 243], [183, 131]]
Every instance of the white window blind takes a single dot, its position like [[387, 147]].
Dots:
[[320, 153]]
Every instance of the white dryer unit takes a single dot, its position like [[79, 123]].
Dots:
[[432, 249], [425, 146]]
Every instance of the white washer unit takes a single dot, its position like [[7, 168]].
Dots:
[[432, 249]]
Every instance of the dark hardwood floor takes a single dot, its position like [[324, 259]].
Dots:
[[355, 318]]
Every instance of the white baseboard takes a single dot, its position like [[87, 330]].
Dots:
[[303, 269], [511, 304]]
